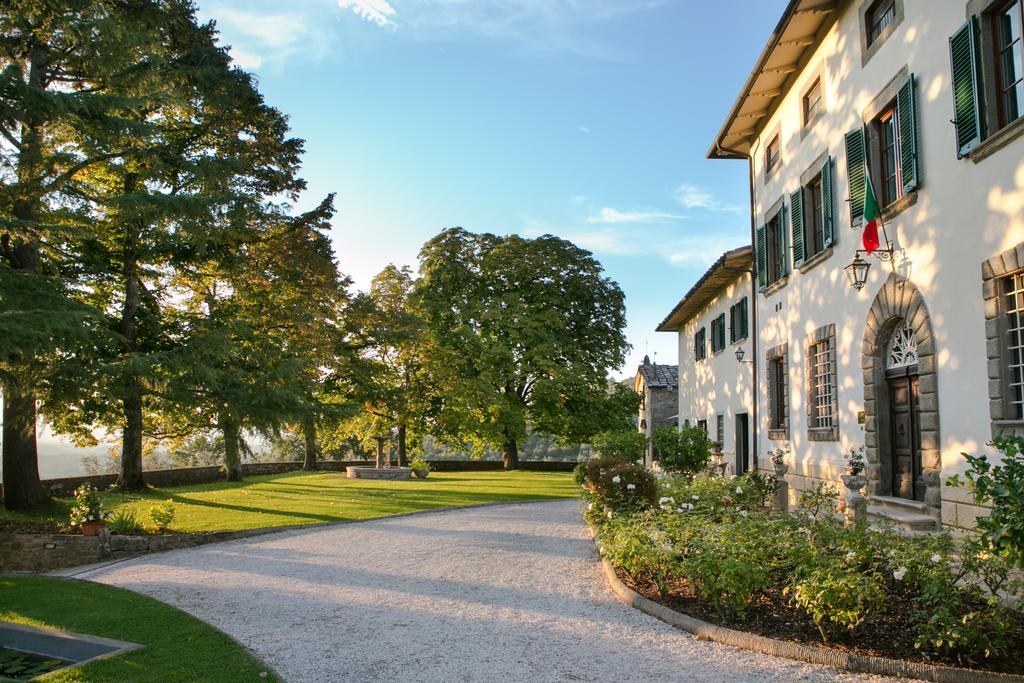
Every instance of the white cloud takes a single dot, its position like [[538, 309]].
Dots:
[[374, 11], [246, 60], [584, 129], [609, 215], [693, 196]]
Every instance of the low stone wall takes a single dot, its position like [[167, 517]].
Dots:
[[186, 476], [46, 552]]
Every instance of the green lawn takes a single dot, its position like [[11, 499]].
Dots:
[[177, 647], [305, 498]]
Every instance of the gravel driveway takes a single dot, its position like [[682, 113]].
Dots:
[[505, 593]]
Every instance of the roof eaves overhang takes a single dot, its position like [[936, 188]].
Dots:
[[719, 275], [801, 29]]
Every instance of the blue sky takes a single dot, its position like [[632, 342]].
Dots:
[[588, 119]]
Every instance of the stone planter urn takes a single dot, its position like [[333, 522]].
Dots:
[[421, 474], [856, 505], [780, 469], [781, 502]]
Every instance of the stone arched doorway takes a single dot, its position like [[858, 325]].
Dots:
[[901, 406]]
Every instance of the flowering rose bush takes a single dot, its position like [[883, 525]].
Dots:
[[623, 487], [731, 552]]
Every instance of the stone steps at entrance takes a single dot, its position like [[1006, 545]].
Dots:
[[903, 518], [900, 503]]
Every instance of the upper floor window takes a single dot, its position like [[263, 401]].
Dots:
[[813, 231], [718, 334], [738, 325], [888, 135], [986, 55], [772, 256], [812, 103], [1009, 60], [879, 15], [885, 151], [700, 345], [772, 155]]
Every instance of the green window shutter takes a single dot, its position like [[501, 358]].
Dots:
[[762, 258], [733, 331], [827, 209], [783, 243], [856, 165], [797, 201], [967, 113], [906, 111]]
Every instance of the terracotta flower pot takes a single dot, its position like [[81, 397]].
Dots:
[[92, 528]]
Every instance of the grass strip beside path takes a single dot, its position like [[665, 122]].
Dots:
[[306, 498], [176, 646]]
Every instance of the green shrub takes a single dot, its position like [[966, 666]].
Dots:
[[637, 545], [88, 506], [836, 592], [1000, 487], [717, 496], [162, 515], [419, 464], [579, 474], [625, 488], [125, 523], [620, 446], [726, 565], [686, 451]]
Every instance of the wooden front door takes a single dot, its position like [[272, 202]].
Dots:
[[907, 477]]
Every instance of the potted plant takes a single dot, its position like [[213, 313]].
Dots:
[[87, 512], [854, 478], [778, 458], [420, 467]]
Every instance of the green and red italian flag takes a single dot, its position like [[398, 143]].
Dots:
[[872, 217]]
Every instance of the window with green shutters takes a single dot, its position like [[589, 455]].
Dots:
[[718, 333], [906, 111], [700, 345], [856, 173], [772, 250], [812, 209], [738, 321]]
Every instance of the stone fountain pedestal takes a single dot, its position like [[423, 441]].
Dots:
[[361, 472]]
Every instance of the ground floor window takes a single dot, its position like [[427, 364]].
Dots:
[[822, 396]]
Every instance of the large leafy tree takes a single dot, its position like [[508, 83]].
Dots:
[[203, 154], [64, 68], [523, 332], [395, 392]]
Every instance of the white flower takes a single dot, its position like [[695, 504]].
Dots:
[[616, 479], [899, 573], [695, 497], [682, 508], [590, 507], [743, 513], [936, 558], [739, 489], [689, 506], [639, 462], [609, 514], [850, 555], [666, 499], [630, 487]]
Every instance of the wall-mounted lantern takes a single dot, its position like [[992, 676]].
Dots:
[[741, 354], [857, 272]]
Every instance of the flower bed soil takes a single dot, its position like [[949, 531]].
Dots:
[[884, 635]]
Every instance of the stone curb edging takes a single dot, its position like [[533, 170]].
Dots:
[[811, 654]]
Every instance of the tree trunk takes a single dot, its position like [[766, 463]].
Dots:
[[22, 488], [232, 457], [131, 478], [510, 449], [309, 432], [20, 456], [403, 460]]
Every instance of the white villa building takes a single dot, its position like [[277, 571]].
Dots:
[[713, 320], [924, 361]]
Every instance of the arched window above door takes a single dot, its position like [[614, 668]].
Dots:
[[902, 348]]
